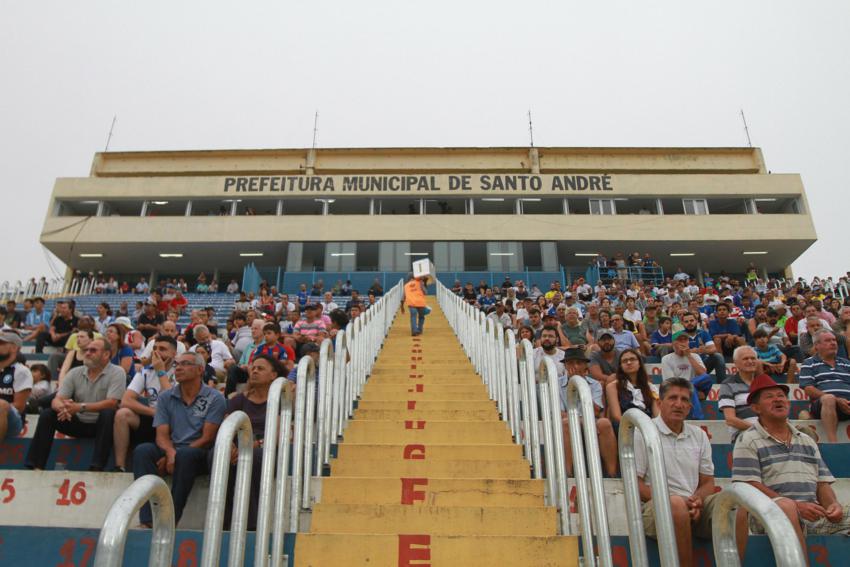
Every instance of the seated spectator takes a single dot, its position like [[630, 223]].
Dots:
[[631, 389], [210, 377], [498, 315], [142, 287], [15, 386], [328, 303], [41, 387], [104, 317], [84, 406], [64, 323], [682, 363], [571, 328], [733, 393], [238, 373], [700, 342], [815, 324], [603, 361], [662, 338], [14, 320], [241, 333], [311, 328], [169, 329], [575, 364], [725, 331], [233, 287], [220, 357], [74, 358], [773, 360], [187, 419], [786, 465], [825, 377], [690, 470], [150, 321], [37, 320], [623, 338], [134, 420], [116, 335]]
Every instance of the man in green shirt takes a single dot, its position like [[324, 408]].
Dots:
[[572, 329]]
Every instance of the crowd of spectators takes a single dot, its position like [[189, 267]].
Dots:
[[109, 285], [151, 392]]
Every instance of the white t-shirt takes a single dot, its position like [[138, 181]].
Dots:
[[633, 316], [802, 327], [329, 306], [557, 357], [219, 353], [15, 379], [146, 385], [675, 366]]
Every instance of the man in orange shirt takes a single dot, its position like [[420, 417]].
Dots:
[[414, 298]]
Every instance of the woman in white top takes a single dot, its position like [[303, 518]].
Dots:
[[632, 313]]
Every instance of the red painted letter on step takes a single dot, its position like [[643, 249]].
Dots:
[[409, 494], [407, 553], [414, 452], [411, 424]]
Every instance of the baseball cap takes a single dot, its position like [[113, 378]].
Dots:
[[11, 337], [604, 332], [125, 321]]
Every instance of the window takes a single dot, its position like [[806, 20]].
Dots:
[[602, 207], [695, 206]]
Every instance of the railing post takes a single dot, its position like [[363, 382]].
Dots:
[[635, 418], [306, 373], [592, 513], [113, 534], [324, 406], [236, 425], [786, 547], [529, 401], [275, 448]]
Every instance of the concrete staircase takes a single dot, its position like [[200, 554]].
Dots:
[[427, 474]]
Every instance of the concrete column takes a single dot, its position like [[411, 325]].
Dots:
[[534, 159], [310, 166]]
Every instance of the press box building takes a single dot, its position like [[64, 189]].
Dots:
[[293, 215]]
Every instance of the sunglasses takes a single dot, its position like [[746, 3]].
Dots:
[[628, 360]]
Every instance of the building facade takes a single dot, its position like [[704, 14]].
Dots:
[[479, 210]]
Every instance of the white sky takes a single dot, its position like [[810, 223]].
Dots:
[[208, 75]]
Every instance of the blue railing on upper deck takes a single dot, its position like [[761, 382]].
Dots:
[[645, 274]]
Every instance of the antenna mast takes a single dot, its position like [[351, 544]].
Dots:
[[746, 129], [315, 128], [109, 137], [530, 129]]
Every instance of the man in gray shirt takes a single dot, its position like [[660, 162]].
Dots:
[[84, 406]]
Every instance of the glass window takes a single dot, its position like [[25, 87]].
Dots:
[[455, 206], [504, 256], [340, 256], [694, 206], [602, 207], [449, 256], [394, 256]]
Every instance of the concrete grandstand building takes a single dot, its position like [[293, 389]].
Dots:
[[356, 214]]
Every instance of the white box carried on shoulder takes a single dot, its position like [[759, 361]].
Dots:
[[424, 268]]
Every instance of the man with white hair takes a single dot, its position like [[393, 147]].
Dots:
[[826, 379], [220, 357], [732, 399], [328, 303]]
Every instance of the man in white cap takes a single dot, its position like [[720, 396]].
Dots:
[[15, 386]]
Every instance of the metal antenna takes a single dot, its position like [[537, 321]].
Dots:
[[530, 129], [746, 129], [315, 128], [109, 137]]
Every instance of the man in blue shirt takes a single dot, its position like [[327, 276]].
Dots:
[[37, 320], [623, 338], [187, 420], [825, 377], [699, 341], [725, 331]]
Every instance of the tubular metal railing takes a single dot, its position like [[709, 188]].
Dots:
[[786, 547], [236, 425], [634, 418], [113, 534], [304, 395]]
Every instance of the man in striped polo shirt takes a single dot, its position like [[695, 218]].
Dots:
[[777, 459], [826, 379]]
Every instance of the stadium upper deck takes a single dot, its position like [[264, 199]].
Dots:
[[493, 209]]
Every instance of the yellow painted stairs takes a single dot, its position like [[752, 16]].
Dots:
[[427, 474]]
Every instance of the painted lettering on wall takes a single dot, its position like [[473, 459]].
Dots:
[[494, 183]]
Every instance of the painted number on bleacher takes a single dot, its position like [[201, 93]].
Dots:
[[68, 551], [187, 554], [11, 453], [7, 488], [71, 495]]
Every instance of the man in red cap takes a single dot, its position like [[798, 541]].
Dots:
[[785, 464]]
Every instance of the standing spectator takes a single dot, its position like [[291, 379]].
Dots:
[[414, 299], [187, 419], [134, 421], [690, 470], [631, 389], [786, 465], [826, 379], [84, 406], [15, 386]]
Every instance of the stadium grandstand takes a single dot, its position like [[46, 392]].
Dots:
[[276, 372]]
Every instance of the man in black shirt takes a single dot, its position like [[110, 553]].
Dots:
[[64, 323], [149, 321]]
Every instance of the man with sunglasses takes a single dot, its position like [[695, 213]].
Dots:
[[84, 406]]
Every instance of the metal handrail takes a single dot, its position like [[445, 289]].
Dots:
[[275, 448], [113, 534], [528, 388], [591, 501], [323, 410], [306, 381], [556, 469], [635, 418], [236, 425], [786, 547]]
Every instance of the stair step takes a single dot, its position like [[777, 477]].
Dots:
[[443, 432], [432, 415], [427, 405], [435, 378], [431, 452], [475, 391], [438, 491], [456, 368], [321, 550], [424, 468], [434, 520]]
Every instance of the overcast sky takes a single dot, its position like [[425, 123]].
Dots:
[[211, 75]]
